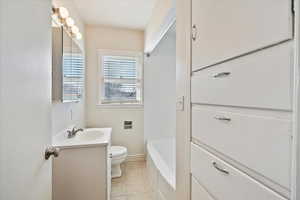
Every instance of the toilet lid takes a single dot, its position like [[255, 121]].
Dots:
[[118, 150]]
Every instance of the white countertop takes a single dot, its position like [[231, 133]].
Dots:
[[88, 138]]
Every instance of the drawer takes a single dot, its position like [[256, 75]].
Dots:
[[227, 29], [223, 181], [260, 143], [198, 192], [260, 80]]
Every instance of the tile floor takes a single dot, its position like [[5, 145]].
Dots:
[[134, 184]]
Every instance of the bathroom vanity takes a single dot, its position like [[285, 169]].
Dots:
[[83, 169]]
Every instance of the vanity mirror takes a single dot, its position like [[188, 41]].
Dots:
[[67, 67]]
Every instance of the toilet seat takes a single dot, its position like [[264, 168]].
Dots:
[[118, 151]]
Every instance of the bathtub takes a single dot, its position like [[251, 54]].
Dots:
[[161, 167]]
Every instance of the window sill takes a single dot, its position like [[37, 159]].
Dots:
[[120, 106]]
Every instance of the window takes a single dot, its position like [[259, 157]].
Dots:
[[121, 78]]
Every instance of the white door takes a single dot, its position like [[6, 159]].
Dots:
[[224, 29], [25, 99]]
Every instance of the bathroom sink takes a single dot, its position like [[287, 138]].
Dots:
[[89, 137]]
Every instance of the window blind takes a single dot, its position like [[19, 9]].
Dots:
[[120, 79]]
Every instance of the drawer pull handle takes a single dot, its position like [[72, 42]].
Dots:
[[224, 171], [223, 119], [222, 74]]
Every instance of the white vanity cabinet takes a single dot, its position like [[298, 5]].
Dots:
[[242, 86], [229, 28], [80, 173], [83, 169]]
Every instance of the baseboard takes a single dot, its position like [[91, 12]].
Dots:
[[138, 157]]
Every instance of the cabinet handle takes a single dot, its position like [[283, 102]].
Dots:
[[194, 32], [223, 119], [222, 74], [224, 171]]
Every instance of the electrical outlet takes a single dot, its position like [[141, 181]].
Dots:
[[128, 125]]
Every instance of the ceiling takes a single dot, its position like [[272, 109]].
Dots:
[[132, 14]]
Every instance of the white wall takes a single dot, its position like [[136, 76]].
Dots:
[[101, 37], [65, 115], [163, 14], [160, 90]]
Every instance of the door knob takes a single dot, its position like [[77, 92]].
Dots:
[[51, 151]]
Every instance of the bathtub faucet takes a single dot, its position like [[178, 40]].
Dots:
[[73, 132]]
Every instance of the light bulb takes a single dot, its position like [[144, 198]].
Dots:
[[56, 22], [70, 22], [78, 36], [54, 17], [74, 29], [63, 12]]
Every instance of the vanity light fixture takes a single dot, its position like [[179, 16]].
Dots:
[[78, 36], [61, 17]]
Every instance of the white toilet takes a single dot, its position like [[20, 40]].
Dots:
[[119, 155]]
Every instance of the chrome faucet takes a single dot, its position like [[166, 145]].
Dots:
[[73, 132]]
